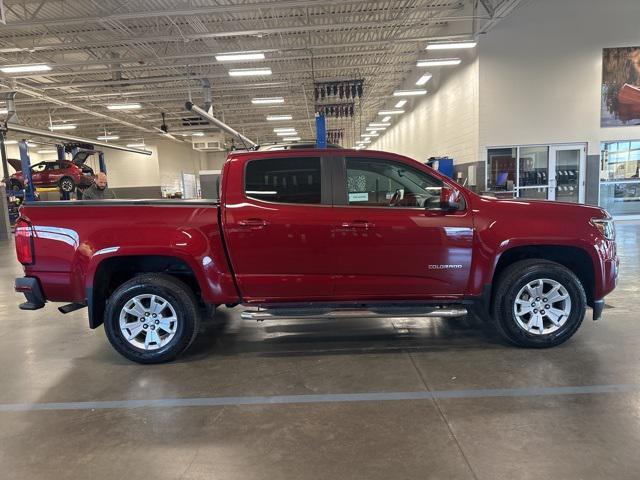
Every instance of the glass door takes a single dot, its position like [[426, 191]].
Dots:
[[567, 168]]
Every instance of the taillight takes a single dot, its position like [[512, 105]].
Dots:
[[24, 242]]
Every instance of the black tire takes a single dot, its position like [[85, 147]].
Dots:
[[67, 185], [181, 299], [15, 185], [517, 276]]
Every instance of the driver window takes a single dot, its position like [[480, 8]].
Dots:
[[383, 183]]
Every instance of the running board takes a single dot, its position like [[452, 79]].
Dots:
[[372, 312]]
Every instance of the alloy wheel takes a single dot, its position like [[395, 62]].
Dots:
[[542, 306], [148, 321]]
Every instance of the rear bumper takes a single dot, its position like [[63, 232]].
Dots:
[[32, 291]]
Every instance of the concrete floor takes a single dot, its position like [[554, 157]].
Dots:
[[489, 418]]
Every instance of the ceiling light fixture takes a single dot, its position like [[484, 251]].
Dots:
[[370, 134], [239, 56], [44, 152], [246, 72], [390, 112], [267, 101], [400, 104], [451, 45], [197, 134], [10, 142], [62, 126], [286, 134], [25, 68], [409, 93], [136, 145], [291, 139], [284, 129], [4, 111], [276, 118], [379, 124], [386, 119], [124, 106], [375, 129], [424, 79], [108, 137], [440, 62]]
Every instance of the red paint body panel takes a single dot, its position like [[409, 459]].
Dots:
[[305, 253]]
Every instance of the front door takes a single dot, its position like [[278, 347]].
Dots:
[[392, 239], [567, 166], [279, 228]]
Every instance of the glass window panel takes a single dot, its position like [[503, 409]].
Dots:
[[534, 166], [284, 180], [620, 198], [384, 183], [501, 169]]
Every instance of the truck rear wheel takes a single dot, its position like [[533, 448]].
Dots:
[[538, 303], [152, 318]]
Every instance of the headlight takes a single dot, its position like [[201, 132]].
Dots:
[[606, 227]]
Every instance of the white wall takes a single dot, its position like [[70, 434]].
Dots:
[[541, 71], [444, 123]]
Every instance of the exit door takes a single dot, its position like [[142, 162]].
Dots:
[[567, 165]]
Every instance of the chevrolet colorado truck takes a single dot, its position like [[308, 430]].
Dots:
[[318, 233]]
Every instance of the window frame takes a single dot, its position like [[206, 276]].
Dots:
[[325, 180], [341, 196]]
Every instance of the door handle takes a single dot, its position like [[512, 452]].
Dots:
[[253, 223], [357, 224]]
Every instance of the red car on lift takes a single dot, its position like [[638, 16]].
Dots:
[[67, 175]]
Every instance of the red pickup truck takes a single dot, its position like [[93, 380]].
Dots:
[[317, 233]]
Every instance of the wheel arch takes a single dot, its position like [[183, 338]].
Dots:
[[111, 272], [576, 259]]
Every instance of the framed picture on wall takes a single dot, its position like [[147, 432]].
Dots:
[[620, 95]]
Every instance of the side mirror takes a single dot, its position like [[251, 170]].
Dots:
[[449, 199]]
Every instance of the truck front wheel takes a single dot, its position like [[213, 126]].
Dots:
[[152, 318], [538, 303]]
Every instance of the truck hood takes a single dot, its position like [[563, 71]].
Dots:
[[551, 209]]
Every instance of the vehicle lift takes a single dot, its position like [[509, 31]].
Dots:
[[76, 144]]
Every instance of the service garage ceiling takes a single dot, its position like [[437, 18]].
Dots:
[[153, 55]]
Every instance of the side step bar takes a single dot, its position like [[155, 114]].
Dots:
[[369, 312]]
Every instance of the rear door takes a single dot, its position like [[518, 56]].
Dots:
[[392, 239], [278, 226]]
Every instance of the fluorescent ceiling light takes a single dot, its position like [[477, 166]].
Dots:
[[286, 134], [368, 140], [266, 101], [31, 144], [451, 45], [284, 129], [246, 72], [291, 139], [272, 118], [4, 111], [400, 104], [379, 124], [424, 79], [197, 134], [62, 126], [390, 112], [375, 129], [44, 152], [136, 145], [25, 68], [124, 106], [386, 119], [439, 62], [238, 57], [409, 93], [10, 142], [369, 135], [108, 137]]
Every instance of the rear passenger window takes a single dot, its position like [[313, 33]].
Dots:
[[284, 180]]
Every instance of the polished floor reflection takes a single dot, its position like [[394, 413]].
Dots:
[[48, 358]]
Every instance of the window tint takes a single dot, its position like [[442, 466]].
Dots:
[[383, 183], [285, 180]]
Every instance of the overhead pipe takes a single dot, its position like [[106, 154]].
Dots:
[[12, 127], [220, 124]]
